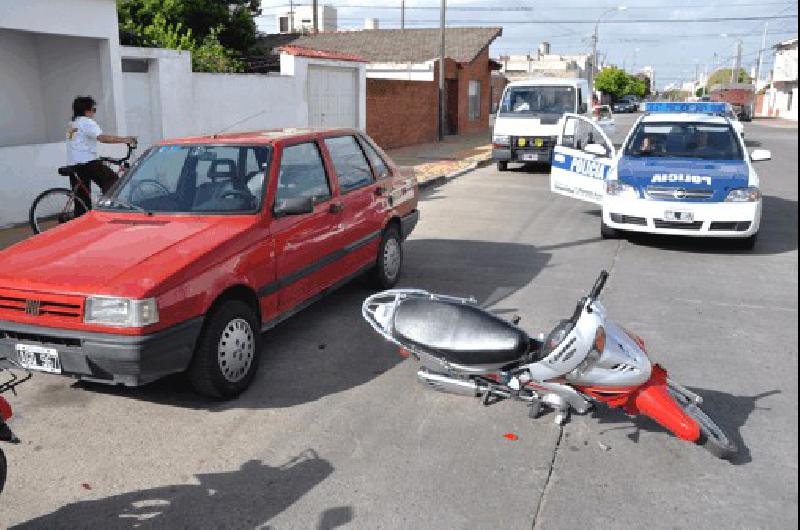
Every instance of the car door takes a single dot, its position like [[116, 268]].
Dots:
[[361, 197], [305, 244], [579, 169]]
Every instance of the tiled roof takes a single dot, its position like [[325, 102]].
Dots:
[[320, 54], [404, 45]]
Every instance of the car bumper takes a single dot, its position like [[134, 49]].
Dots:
[[734, 220], [408, 222], [544, 154], [107, 357]]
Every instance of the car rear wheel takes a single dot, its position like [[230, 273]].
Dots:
[[227, 353], [390, 259]]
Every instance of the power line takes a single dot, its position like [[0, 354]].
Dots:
[[540, 8], [605, 22]]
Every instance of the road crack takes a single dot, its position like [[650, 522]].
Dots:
[[549, 476]]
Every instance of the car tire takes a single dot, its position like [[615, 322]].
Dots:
[[227, 352], [606, 232], [502, 166], [747, 243], [389, 262]]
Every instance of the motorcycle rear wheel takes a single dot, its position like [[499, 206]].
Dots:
[[3, 470], [712, 436]]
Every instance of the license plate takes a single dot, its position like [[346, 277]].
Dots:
[[679, 216], [530, 157], [38, 358]]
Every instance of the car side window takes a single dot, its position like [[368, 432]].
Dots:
[[352, 169], [381, 170], [302, 174]]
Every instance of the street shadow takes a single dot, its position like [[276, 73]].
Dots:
[[752, 143], [328, 348], [729, 411], [778, 234], [246, 498]]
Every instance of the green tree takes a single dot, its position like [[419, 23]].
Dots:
[[612, 81], [232, 21], [723, 77], [635, 87]]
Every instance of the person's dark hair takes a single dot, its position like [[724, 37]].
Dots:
[[82, 104]]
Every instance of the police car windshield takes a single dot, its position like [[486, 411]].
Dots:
[[529, 101], [685, 140]]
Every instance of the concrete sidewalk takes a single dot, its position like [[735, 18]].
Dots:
[[780, 123], [442, 159]]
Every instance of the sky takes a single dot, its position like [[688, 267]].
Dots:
[[676, 50]]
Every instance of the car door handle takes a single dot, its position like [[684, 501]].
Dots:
[[335, 207]]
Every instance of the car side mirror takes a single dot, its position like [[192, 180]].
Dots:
[[596, 149], [759, 155], [293, 206]]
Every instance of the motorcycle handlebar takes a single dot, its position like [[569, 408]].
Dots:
[[598, 285]]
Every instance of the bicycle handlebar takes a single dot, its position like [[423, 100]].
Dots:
[[119, 161]]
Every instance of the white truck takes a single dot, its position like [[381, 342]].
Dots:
[[527, 123]]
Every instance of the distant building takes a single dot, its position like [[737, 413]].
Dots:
[[300, 19], [649, 73], [544, 64], [781, 98]]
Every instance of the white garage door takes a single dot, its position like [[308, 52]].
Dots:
[[332, 97]]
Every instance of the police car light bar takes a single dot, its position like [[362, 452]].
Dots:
[[700, 107]]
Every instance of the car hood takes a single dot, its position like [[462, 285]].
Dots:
[[721, 176], [113, 254]]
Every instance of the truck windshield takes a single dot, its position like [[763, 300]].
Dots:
[[538, 101], [685, 140], [194, 179]]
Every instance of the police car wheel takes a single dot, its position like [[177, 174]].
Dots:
[[502, 166], [606, 232]]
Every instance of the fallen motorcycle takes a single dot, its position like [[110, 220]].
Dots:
[[10, 382], [464, 349]]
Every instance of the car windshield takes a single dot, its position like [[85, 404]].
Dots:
[[685, 140], [213, 179], [531, 101]]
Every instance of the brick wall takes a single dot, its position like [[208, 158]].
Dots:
[[401, 113], [476, 70]]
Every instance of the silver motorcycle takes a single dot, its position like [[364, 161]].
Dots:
[[463, 349]]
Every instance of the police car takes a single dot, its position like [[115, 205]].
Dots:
[[682, 170]]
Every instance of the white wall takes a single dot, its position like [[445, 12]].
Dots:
[[22, 118]]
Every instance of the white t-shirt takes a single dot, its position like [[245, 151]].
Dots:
[[82, 140]]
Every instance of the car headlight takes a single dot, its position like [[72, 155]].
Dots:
[[616, 188], [123, 312], [749, 194], [501, 139]]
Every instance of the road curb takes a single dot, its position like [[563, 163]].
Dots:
[[435, 181]]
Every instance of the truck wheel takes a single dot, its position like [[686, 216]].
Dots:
[[390, 259], [227, 353], [606, 232], [502, 166]]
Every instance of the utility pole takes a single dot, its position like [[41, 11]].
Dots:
[[442, 116], [737, 63], [402, 14], [291, 16], [761, 54], [314, 22]]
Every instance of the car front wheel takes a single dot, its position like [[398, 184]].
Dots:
[[390, 259], [227, 353]]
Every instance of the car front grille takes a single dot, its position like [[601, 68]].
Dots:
[[660, 223], [678, 194], [730, 226], [546, 143], [40, 306]]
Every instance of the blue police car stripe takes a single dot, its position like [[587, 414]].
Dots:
[[584, 166], [700, 107]]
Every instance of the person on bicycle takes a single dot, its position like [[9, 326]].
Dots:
[[83, 133]]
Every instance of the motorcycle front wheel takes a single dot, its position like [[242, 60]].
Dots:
[[3, 470], [712, 436]]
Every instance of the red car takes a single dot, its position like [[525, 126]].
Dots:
[[203, 245]]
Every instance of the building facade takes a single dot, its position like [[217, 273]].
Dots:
[[300, 19]]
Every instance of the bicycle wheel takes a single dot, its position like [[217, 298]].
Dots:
[[53, 207]]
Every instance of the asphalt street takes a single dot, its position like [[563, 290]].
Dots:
[[336, 432]]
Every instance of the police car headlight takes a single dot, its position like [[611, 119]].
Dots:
[[122, 312], [619, 189], [749, 194], [501, 139]]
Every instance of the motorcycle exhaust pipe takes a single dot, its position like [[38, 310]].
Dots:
[[443, 383]]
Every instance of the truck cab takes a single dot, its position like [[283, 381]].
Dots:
[[527, 124]]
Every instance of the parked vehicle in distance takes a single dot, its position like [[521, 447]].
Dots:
[[604, 117], [205, 243], [626, 104], [527, 122]]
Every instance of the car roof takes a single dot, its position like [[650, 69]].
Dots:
[[661, 117], [266, 136]]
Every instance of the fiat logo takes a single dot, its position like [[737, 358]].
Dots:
[[33, 307], [680, 193]]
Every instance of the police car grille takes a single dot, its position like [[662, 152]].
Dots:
[[660, 223], [663, 192]]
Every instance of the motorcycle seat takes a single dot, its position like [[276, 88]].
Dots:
[[460, 333]]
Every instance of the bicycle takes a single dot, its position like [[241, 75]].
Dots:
[[56, 206]]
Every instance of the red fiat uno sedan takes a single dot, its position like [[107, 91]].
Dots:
[[203, 245]]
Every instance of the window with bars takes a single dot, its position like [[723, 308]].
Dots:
[[474, 100]]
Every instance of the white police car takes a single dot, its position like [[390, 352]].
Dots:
[[682, 170]]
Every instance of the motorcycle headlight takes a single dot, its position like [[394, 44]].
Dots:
[[123, 312], [501, 139], [616, 188], [749, 194]]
